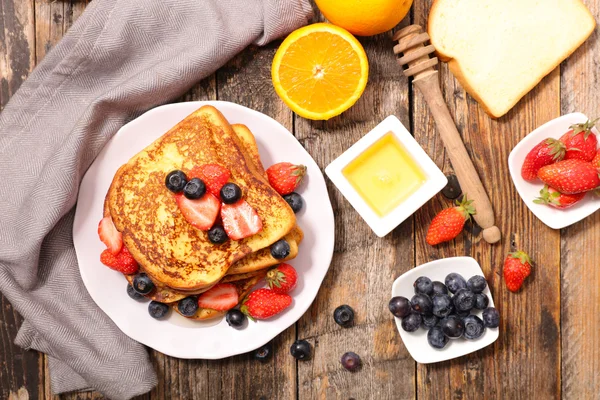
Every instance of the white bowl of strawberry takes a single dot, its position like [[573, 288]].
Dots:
[[555, 170]]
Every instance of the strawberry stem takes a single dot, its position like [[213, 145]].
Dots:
[[466, 207], [521, 256]]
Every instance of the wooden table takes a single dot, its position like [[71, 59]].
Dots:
[[549, 345]]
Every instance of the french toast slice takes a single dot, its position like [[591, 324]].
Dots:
[[155, 232]]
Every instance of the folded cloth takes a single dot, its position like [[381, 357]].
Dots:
[[120, 58]]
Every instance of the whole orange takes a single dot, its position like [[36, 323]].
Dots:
[[365, 17]]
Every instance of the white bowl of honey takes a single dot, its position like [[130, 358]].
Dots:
[[386, 176]]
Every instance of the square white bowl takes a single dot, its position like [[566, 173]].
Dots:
[[435, 179], [553, 217], [416, 342]]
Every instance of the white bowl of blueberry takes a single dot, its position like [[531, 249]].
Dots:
[[444, 310]]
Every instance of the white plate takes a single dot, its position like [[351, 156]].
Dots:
[[178, 336], [553, 217], [416, 342]]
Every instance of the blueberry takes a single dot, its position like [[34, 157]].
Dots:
[[176, 181], [476, 284], [280, 249], [452, 190], [142, 284], [157, 310], [442, 305], [194, 189], [235, 318], [351, 361], [436, 338], [454, 282], [464, 300], [481, 301], [491, 317], [422, 304], [301, 350], [439, 288], [452, 326], [461, 314], [411, 322], [230, 193], [473, 327], [217, 235], [133, 294], [429, 321], [188, 306], [399, 306], [344, 315], [264, 353], [423, 285], [295, 201]]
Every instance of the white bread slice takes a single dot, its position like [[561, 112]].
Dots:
[[500, 49]]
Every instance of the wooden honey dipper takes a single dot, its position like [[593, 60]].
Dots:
[[415, 54]]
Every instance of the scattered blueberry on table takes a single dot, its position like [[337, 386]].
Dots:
[[344, 315], [351, 361], [264, 353], [301, 350]]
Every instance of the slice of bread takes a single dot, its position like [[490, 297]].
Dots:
[[500, 49]]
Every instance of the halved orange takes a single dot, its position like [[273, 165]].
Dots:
[[320, 71]]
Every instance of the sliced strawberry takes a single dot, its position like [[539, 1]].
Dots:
[[240, 220], [201, 213], [110, 236], [221, 297], [122, 262], [214, 177]]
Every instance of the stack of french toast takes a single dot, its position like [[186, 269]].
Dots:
[[175, 234]]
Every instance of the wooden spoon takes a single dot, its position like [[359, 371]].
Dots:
[[414, 54]]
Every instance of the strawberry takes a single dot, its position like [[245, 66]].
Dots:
[[450, 222], [580, 142], [240, 220], [221, 297], [201, 213], [554, 198], [110, 236], [596, 160], [122, 262], [284, 177], [282, 279], [214, 177], [265, 303], [547, 152], [517, 267], [570, 176]]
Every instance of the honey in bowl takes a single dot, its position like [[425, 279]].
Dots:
[[384, 175]]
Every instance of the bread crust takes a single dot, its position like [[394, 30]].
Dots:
[[455, 67]]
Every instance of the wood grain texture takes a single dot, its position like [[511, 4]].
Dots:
[[525, 361], [580, 290], [363, 266]]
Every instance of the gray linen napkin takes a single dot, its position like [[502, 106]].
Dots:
[[122, 57]]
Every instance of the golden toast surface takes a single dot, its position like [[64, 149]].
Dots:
[[169, 249]]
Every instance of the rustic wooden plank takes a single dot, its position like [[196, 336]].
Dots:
[[580, 289], [21, 374], [525, 361], [17, 41], [363, 266]]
